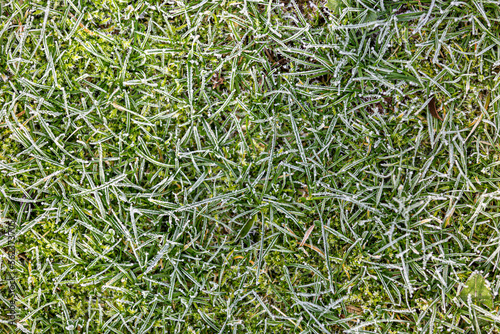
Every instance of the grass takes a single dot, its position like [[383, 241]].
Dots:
[[250, 166]]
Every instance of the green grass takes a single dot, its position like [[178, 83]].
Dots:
[[250, 166]]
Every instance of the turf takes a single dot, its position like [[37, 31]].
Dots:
[[250, 166]]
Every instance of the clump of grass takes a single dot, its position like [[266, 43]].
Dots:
[[254, 166]]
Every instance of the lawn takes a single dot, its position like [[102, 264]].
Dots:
[[250, 166]]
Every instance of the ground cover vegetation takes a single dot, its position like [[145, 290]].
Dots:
[[251, 166]]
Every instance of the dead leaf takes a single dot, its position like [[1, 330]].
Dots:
[[354, 309], [306, 236], [269, 55], [217, 80], [433, 110], [304, 191], [319, 251], [291, 232], [487, 103]]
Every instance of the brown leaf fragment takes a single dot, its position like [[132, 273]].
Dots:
[[354, 309], [319, 251], [432, 108], [218, 80], [488, 100], [306, 236], [269, 55]]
